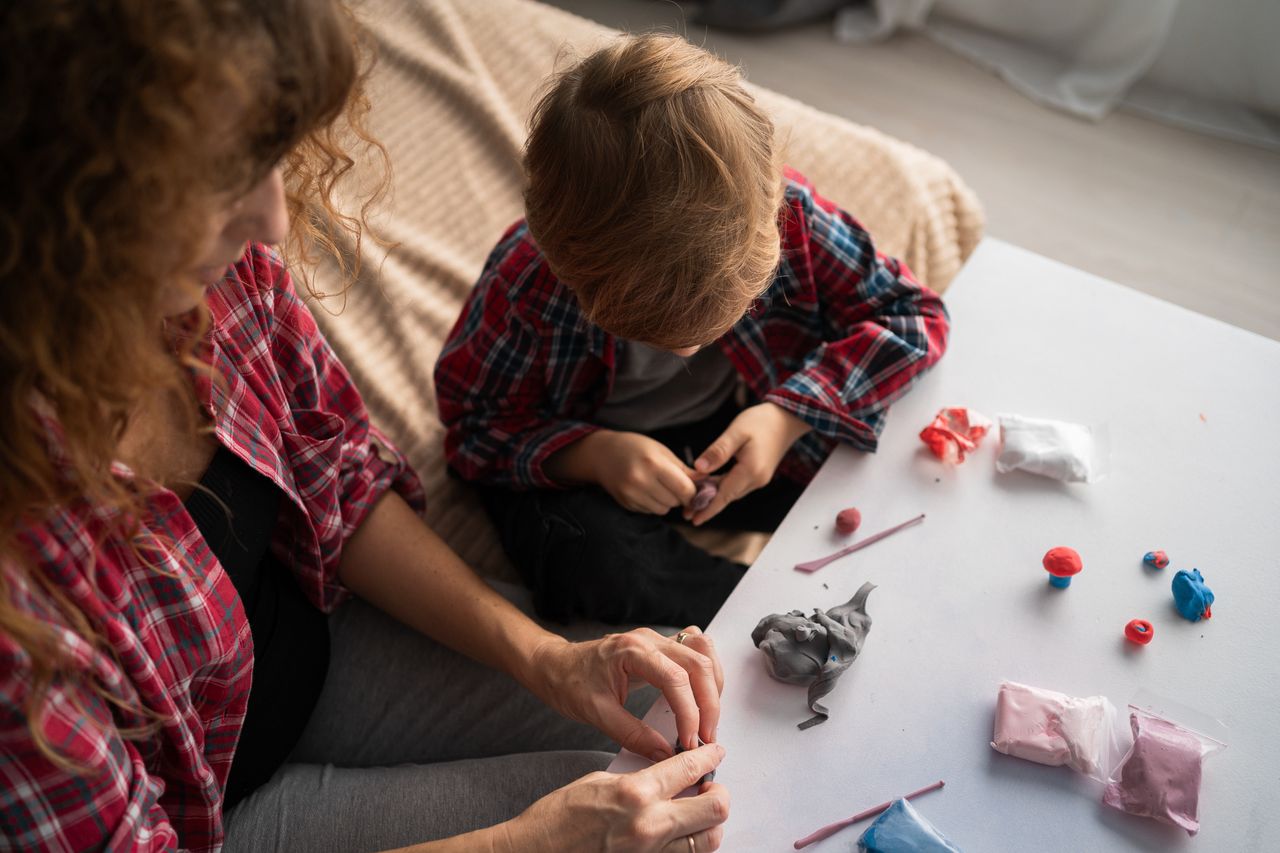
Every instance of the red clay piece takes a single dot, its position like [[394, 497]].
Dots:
[[1139, 631], [847, 520], [1061, 563]]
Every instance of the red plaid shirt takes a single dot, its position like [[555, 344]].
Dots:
[[176, 638], [841, 332]]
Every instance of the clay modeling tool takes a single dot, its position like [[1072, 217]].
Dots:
[[828, 831], [814, 565]]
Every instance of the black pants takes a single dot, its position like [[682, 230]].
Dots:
[[585, 556]]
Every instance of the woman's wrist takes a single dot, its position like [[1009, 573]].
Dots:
[[530, 662]]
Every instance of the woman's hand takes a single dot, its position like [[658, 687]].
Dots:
[[590, 681], [757, 439], [633, 812]]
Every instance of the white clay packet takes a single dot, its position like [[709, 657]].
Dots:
[[1072, 453]]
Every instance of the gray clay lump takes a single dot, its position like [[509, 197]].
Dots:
[[817, 649]]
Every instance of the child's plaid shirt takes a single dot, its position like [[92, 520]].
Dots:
[[840, 333]]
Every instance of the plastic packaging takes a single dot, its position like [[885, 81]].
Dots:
[[1073, 453], [901, 828], [955, 432], [1160, 775], [1052, 728]]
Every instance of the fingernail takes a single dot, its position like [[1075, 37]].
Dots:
[[658, 755]]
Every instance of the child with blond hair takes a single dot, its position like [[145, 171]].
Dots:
[[675, 307]]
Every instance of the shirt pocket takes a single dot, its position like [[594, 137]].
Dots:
[[313, 454]]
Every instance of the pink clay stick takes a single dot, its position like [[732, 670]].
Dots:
[[814, 565], [828, 831]]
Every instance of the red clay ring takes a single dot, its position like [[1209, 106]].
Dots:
[[1139, 631]]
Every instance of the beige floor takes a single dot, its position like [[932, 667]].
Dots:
[[1189, 218]]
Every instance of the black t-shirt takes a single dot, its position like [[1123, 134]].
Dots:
[[236, 510]]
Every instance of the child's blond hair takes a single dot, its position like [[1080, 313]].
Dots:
[[654, 190]]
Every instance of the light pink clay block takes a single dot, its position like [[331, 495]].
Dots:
[[1048, 727]]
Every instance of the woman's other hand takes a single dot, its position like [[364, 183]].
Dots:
[[632, 812]]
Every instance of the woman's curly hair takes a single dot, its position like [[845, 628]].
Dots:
[[123, 120]]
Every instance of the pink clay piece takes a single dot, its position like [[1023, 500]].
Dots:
[[706, 494], [847, 520]]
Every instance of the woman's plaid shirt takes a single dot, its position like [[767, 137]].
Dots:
[[175, 640]]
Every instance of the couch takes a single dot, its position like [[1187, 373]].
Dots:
[[451, 91]]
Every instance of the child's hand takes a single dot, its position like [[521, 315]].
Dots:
[[757, 438], [641, 474]]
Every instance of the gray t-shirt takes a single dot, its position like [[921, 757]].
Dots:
[[653, 388]]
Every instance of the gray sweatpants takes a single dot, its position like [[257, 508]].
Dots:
[[410, 742]]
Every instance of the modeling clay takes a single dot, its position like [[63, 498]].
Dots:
[[847, 520], [706, 777], [1061, 563], [814, 565], [901, 828], [831, 829], [955, 432], [1139, 631], [815, 649], [1160, 777], [1054, 449], [1191, 596], [1156, 559], [707, 490], [1052, 728]]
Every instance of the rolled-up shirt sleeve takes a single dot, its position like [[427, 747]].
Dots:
[[880, 328], [340, 462]]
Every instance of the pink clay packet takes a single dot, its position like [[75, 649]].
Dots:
[[1160, 775], [1152, 767], [1053, 728]]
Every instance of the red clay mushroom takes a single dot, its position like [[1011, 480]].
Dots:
[[1061, 563]]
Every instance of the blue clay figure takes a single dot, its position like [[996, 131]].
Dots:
[[902, 829], [1191, 596]]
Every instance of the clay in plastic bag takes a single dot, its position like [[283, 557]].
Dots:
[[1073, 453], [1052, 728], [1160, 776], [901, 828]]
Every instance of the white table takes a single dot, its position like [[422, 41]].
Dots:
[[1192, 406]]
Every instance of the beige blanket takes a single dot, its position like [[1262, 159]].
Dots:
[[453, 86]]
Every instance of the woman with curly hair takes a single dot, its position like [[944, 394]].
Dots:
[[190, 487]]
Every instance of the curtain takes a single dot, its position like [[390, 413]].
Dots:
[[1208, 65]]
